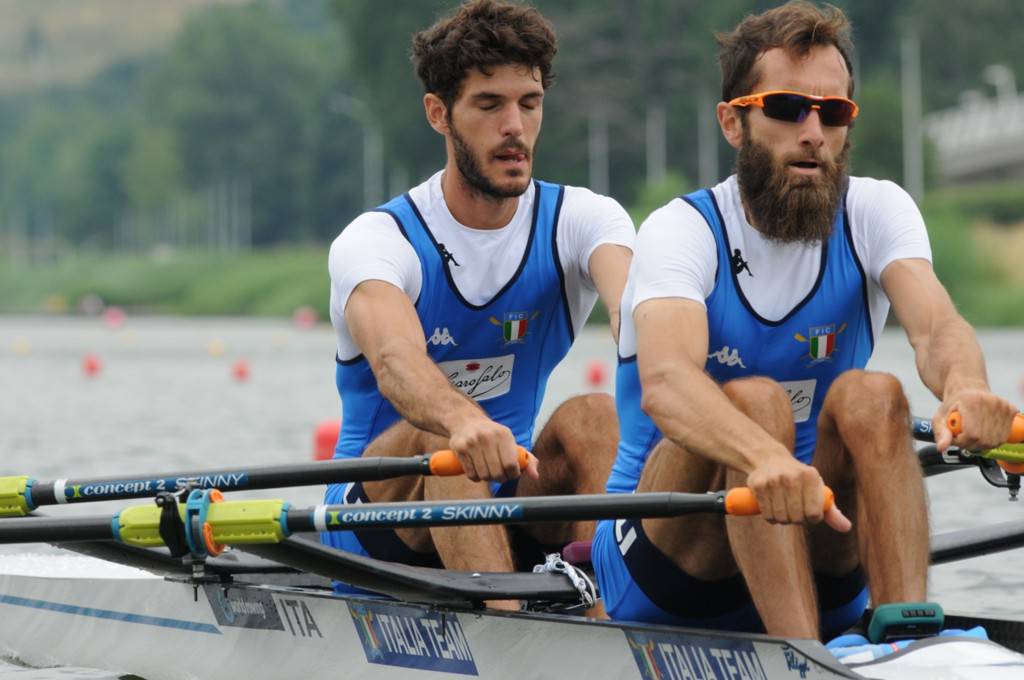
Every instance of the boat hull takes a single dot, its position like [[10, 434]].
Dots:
[[128, 621]]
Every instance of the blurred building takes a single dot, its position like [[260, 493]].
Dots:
[[982, 139]]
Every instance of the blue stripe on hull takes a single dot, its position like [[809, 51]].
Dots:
[[124, 617]]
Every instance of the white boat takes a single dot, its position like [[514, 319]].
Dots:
[[81, 611]]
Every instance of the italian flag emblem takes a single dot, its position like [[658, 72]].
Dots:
[[822, 340], [514, 327]]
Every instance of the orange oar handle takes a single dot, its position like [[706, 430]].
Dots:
[[741, 501], [445, 463], [956, 426]]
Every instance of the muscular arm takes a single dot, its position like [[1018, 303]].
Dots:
[[683, 401], [949, 359], [692, 410], [387, 330], [609, 265]]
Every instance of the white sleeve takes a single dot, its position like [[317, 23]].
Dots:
[[370, 247], [889, 224], [675, 256], [587, 221]]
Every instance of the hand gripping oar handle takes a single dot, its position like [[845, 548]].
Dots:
[[445, 463], [742, 502], [1008, 456], [956, 426]]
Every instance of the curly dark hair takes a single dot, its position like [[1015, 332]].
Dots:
[[482, 34], [796, 27]]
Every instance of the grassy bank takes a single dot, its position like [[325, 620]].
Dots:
[[977, 238], [267, 283]]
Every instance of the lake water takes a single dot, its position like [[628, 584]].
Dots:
[[165, 399]]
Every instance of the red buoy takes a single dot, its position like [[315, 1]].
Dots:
[[91, 365], [325, 439], [597, 374], [240, 370], [113, 317], [304, 317]]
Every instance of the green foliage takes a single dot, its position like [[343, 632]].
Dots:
[[270, 101], [153, 150], [382, 77], [1001, 203], [980, 292], [653, 196], [877, 134]]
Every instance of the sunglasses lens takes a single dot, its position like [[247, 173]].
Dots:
[[836, 112], [793, 108]]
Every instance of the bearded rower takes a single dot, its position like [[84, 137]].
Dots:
[[453, 303], [750, 313]]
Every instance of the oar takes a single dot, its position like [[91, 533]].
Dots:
[[21, 495], [243, 522]]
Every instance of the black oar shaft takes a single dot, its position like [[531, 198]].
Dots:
[[921, 428], [52, 530], [502, 511], [234, 479], [242, 522]]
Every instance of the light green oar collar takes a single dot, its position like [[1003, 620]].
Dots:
[[13, 502], [1010, 453]]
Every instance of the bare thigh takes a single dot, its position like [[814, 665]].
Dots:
[[402, 440], [698, 544], [576, 450]]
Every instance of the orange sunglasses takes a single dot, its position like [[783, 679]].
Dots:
[[794, 107]]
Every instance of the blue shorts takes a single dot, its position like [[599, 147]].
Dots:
[[645, 585]]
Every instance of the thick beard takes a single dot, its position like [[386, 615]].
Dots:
[[470, 168], [784, 207]]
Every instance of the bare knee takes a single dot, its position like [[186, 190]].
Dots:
[[585, 409], [870, 398], [766, 403], [584, 423], [577, 446]]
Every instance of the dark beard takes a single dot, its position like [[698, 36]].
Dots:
[[469, 167], [787, 208]]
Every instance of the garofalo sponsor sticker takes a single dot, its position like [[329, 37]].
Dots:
[[480, 379], [395, 635], [801, 397]]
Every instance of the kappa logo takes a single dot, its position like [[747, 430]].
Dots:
[[441, 337], [625, 540], [728, 356], [821, 342], [515, 326]]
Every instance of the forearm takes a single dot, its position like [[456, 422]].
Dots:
[[949, 358], [691, 410], [419, 391]]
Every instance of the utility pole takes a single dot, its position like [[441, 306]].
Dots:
[[598, 151], [913, 142], [657, 141], [707, 139]]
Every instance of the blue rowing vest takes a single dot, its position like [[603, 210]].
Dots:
[[499, 353], [827, 333]]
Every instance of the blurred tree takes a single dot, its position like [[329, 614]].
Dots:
[[273, 96], [238, 90], [384, 83]]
